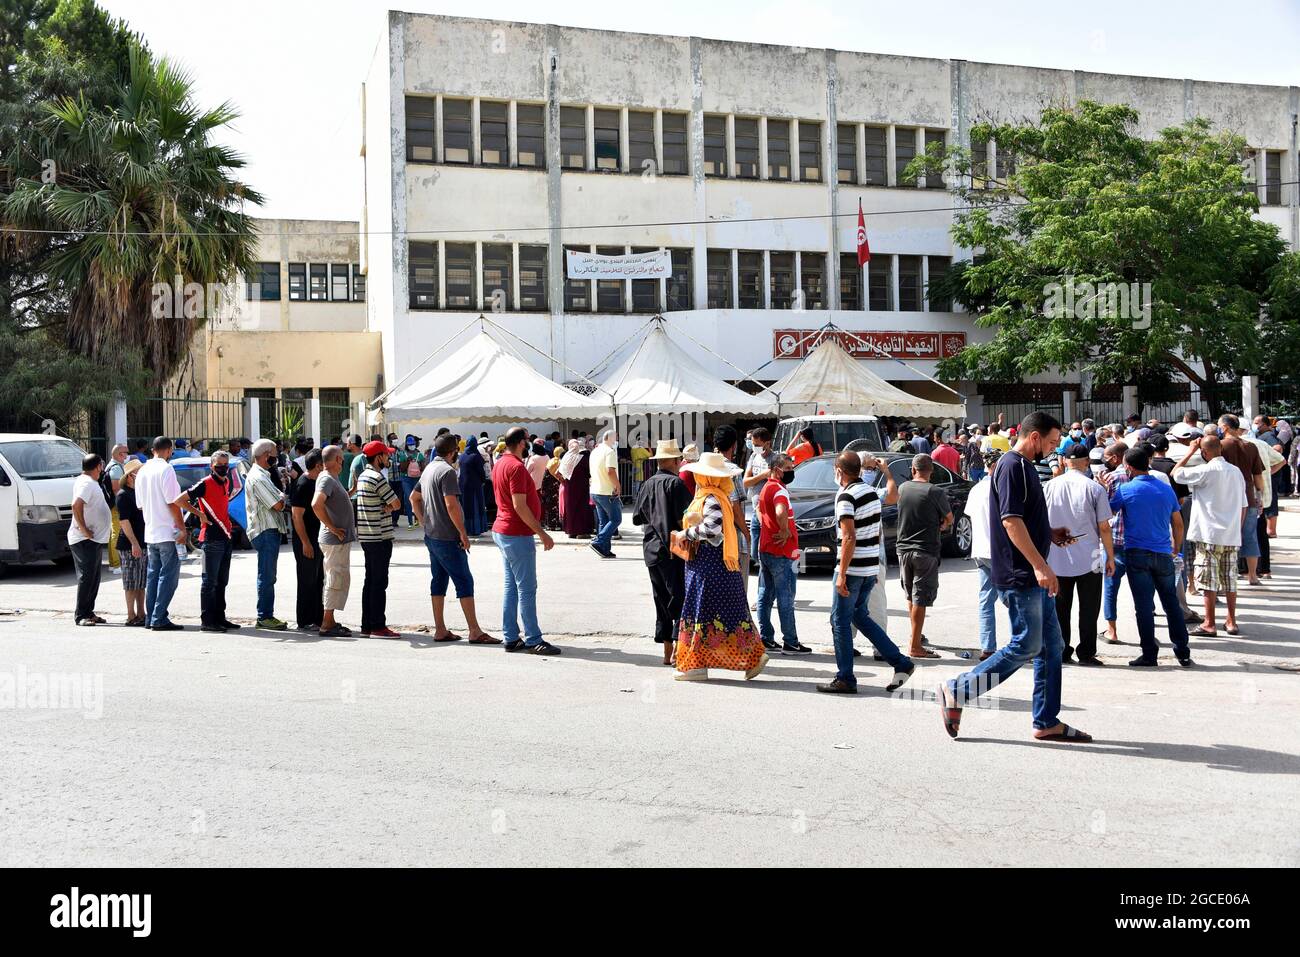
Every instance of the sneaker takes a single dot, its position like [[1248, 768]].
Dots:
[[1142, 662], [543, 648], [308, 629], [271, 624], [87, 622], [900, 679], [167, 626], [1186, 662], [770, 644], [384, 632], [1092, 662], [216, 628], [336, 631], [757, 670], [796, 649], [599, 551], [516, 645], [838, 687]]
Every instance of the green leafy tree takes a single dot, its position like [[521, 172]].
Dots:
[[1090, 202]]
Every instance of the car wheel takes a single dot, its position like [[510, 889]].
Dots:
[[958, 544]]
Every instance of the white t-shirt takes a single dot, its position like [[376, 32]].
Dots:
[[1218, 496], [603, 458], [95, 512], [155, 489], [977, 510]]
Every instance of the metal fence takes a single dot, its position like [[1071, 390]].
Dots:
[[194, 419], [335, 420]]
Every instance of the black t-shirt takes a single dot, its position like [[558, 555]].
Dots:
[[921, 508], [129, 513], [304, 490], [1016, 493], [1163, 463]]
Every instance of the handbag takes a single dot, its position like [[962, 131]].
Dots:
[[413, 468], [683, 547]]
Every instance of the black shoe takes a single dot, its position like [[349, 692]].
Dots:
[[1067, 654], [1091, 662], [770, 645], [167, 626], [1141, 662], [796, 649], [900, 679], [543, 648], [1186, 662], [230, 625], [216, 628], [838, 687], [516, 645], [856, 653], [599, 551]]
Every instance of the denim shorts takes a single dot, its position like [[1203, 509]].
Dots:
[[448, 562], [1250, 534]]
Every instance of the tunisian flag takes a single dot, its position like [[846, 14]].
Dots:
[[864, 251]]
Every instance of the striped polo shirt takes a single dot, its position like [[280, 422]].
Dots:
[[374, 520], [861, 502]]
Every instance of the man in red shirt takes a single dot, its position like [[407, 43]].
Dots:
[[778, 555], [519, 518], [947, 456]]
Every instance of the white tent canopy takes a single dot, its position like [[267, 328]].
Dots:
[[661, 376], [831, 378], [483, 382]]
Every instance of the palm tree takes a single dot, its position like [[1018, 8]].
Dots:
[[144, 196]]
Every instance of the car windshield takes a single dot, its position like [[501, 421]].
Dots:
[[815, 474], [38, 459]]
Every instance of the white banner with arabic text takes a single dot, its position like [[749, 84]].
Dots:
[[653, 265]]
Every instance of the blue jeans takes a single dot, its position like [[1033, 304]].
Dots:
[[408, 486], [267, 546], [1110, 591], [987, 604], [609, 509], [448, 562], [519, 557], [755, 532], [1035, 636], [776, 583], [848, 613], [1250, 534], [1151, 574], [976, 474], [163, 574]]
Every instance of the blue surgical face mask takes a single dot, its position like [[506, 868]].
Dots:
[[749, 444]]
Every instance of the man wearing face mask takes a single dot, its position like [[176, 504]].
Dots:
[[209, 501], [1073, 437], [1020, 536], [376, 504]]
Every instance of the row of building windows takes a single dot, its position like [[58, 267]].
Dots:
[[1265, 168], [308, 282], [476, 276], [510, 134]]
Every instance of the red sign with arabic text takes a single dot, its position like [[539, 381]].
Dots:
[[797, 343]]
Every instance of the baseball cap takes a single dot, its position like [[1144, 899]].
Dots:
[[376, 448], [1181, 430], [1076, 450]]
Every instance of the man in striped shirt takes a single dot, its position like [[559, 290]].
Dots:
[[376, 503], [857, 509]]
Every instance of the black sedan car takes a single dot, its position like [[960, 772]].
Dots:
[[812, 493]]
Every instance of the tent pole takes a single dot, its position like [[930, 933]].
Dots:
[[619, 348], [375, 403]]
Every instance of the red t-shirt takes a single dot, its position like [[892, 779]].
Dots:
[[767, 499], [689, 479], [948, 457], [509, 476]]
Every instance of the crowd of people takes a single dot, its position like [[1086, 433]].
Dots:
[[1059, 519]]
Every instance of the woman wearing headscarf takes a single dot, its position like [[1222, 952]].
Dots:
[[804, 447], [471, 484], [576, 496], [536, 464], [715, 630], [551, 491]]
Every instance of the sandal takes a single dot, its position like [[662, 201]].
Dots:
[[449, 636], [483, 638], [1068, 735], [926, 653], [1203, 632], [1234, 631], [951, 713], [1105, 636]]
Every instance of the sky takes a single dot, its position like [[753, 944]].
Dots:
[[294, 68]]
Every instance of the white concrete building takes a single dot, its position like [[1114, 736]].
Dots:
[[490, 147]]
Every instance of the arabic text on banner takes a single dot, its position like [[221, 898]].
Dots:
[[652, 265]]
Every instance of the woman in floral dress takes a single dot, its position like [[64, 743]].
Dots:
[[715, 630]]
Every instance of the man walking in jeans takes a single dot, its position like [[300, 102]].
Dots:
[[778, 554], [156, 489], [1077, 502], [265, 529], [1020, 536], [519, 511], [606, 492], [1151, 511], [857, 509]]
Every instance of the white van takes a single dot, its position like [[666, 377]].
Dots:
[[833, 432], [36, 476]]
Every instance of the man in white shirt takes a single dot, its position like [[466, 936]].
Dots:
[[1079, 503], [1219, 506], [977, 510], [606, 492], [156, 489], [91, 522]]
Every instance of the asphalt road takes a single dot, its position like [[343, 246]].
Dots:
[[261, 748]]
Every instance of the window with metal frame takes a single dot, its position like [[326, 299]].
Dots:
[[847, 148], [676, 160], [904, 153], [680, 294], [422, 272], [297, 282], [577, 292], [749, 280], [606, 131], [746, 148], [358, 283], [530, 135], [339, 291], [457, 132], [498, 272], [781, 279], [573, 137], [877, 156], [461, 268], [778, 149], [263, 283], [421, 121], [938, 268], [850, 282], [494, 133], [532, 278], [719, 278], [812, 280], [609, 292], [318, 282], [641, 141], [810, 151], [880, 283], [1273, 178], [715, 146], [936, 141], [909, 283]]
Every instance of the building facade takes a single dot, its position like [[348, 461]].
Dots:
[[489, 148]]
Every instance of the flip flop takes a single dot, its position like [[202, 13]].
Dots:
[[485, 639], [1204, 632], [926, 653], [1232, 631], [1069, 736], [448, 637], [951, 713]]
